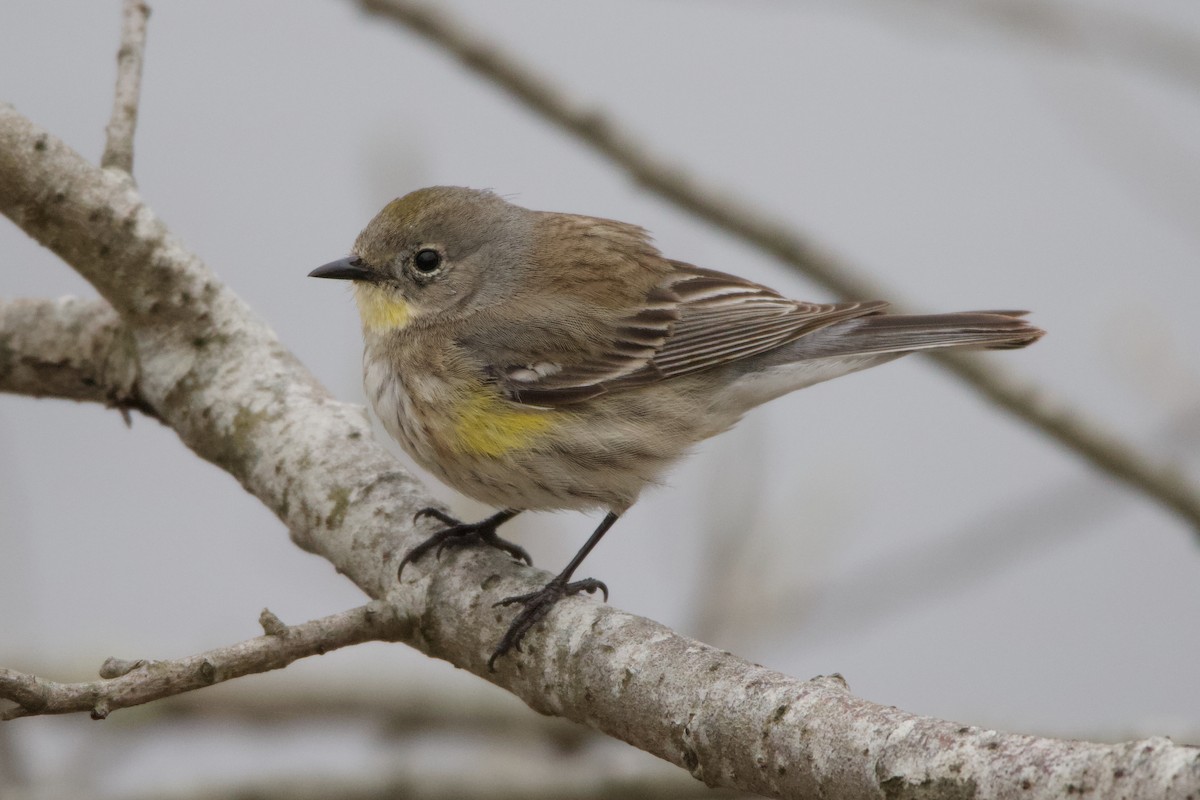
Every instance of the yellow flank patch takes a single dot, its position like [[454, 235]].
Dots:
[[381, 309], [487, 425]]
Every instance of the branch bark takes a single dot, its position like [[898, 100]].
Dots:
[[129, 683], [216, 374], [118, 148], [69, 348], [1070, 427]]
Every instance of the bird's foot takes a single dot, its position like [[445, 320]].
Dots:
[[461, 534], [536, 605]]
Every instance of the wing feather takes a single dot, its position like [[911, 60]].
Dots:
[[697, 319]]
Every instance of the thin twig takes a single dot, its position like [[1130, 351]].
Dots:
[[1069, 426], [118, 147], [1120, 458], [130, 683]]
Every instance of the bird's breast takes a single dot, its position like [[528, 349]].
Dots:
[[438, 412]]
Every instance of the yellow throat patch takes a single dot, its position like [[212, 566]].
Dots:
[[381, 310], [488, 425]]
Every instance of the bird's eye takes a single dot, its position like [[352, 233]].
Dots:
[[427, 261]]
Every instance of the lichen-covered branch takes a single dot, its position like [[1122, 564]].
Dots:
[[118, 146], [70, 348], [209, 367], [216, 374], [1070, 427], [129, 683]]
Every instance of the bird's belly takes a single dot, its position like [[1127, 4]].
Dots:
[[511, 456]]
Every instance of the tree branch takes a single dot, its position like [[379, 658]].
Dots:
[[547, 781], [1070, 427], [129, 683], [412, 707], [419, 706], [69, 348], [1143, 44], [220, 378], [118, 147], [209, 367]]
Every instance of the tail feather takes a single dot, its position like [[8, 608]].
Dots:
[[900, 333], [866, 341]]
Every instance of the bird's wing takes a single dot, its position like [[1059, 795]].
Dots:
[[695, 320]]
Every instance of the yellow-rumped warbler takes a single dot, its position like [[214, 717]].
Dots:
[[534, 360]]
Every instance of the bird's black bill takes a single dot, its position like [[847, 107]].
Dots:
[[351, 268]]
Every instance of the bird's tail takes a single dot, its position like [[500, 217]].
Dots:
[[903, 333], [865, 341]]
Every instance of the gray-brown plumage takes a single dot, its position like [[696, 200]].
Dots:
[[536, 360]]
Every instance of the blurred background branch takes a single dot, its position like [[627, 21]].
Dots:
[[1135, 39], [488, 779]]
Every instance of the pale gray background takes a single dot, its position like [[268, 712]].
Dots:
[[898, 530]]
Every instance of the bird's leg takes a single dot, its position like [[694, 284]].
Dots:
[[459, 534], [537, 604]]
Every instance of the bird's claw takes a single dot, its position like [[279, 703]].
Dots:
[[460, 534], [537, 605]]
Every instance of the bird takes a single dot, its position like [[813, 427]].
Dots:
[[537, 360]]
